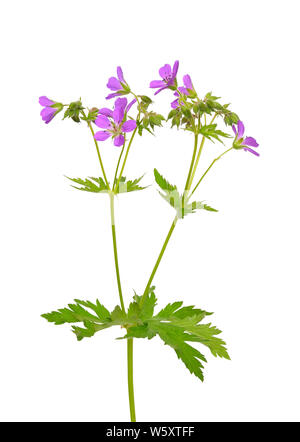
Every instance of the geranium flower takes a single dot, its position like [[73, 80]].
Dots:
[[117, 84], [168, 76], [114, 122], [187, 89], [51, 108], [243, 143]]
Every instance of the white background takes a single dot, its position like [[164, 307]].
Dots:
[[241, 263]]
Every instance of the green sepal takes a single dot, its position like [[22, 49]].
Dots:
[[74, 110]]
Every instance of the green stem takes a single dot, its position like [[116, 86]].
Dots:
[[158, 260], [126, 156], [117, 168], [130, 378], [200, 149], [208, 169], [187, 184], [197, 159], [113, 229], [98, 152]]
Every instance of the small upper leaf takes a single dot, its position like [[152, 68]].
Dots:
[[91, 184], [129, 185]]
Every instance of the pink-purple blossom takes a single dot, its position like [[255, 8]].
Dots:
[[117, 84], [114, 122], [241, 142], [187, 89], [168, 76], [50, 108]]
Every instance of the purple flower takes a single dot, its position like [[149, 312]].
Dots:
[[114, 122], [118, 85], [241, 142], [51, 108], [187, 89], [168, 76]]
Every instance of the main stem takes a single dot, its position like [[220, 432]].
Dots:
[[129, 341], [130, 379], [113, 229]]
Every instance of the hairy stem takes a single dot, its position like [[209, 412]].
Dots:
[[130, 379]]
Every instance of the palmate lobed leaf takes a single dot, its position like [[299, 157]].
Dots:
[[176, 200], [178, 326], [211, 132], [97, 185]]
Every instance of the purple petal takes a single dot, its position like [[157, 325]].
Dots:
[[157, 83], [130, 105], [188, 82], [183, 90], [112, 96], [118, 115], [47, 114], [102, 135], [161, 89], [129, 126], [121, 103], [103, 122], [250, 141], [241, 129], [120, 74], [45, 101], [119, 140], [175, 104], [234, 129], [175, 69], [252, 151], [105, 111], [165, 71], [114, 84]]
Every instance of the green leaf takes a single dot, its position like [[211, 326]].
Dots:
[[118, 316], [129, 185], [91, 184], [176, 200], [147, 309], [177, 325], [162, 182], [90, 329], [197, 205], [76, 313], [211, 132]]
